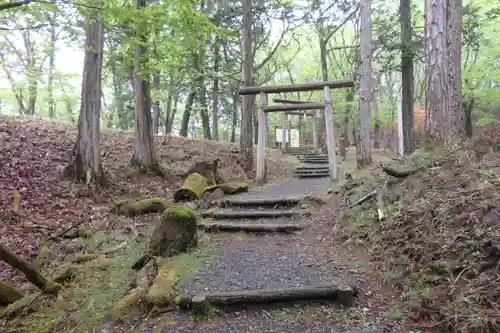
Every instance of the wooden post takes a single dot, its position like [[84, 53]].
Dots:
[[283, 133], [400, 129], [330, 141], [314, 131], [261, 143]]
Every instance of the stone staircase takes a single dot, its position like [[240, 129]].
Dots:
[[313, 165], [257, 215]]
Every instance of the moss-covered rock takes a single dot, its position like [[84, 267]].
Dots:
[[176, 233], [65, 273], [234, 188], [162, 292], [129, 302], [139, 207]]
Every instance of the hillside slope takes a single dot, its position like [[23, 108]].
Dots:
[[32, 150]]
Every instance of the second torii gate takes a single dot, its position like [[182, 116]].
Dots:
[[305, 113], [326, 106]]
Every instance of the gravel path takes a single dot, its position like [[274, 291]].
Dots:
[[290, 188], [268, 261]]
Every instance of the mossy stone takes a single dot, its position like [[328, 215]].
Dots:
[[181, 213], [176, 233]]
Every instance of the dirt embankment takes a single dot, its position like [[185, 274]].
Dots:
[[438, 245]]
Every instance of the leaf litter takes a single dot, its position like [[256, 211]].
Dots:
[[439, 245], [33, 150]]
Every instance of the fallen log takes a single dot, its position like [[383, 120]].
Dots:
[[399, 174], [31, 273], [251, 227], [193, 188], [363, 199], [135, 207], [9, 294], [341, 294]]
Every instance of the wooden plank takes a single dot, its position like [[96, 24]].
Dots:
[[291, 101], [283, 133], [343, 294], [261, 143], [330, 141], [346, 83], [298, 113], [293, 107]]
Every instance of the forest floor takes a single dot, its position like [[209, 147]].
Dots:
[[430, 266], [32, 151]]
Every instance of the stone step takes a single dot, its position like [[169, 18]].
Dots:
[[311, 174], [266, 202], [315, 161], [219, 214], [310, 167]]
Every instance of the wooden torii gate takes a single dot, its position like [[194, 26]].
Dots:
[[326, 106], [305, 113]]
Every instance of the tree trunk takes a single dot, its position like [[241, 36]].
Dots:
[[406, 75], [87, 163], [376, 132], [187, 113], [215, 93], [205, 119], [363, 151], [144, 155], [168, 106], [246, 138], [173, 113], [32, 275], [156, 105], [32, 90], [321, 129], [50, 83], [435, 105], [234, 116], [468, 106], [456, 116]]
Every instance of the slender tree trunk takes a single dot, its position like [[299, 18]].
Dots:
[[50, 83], [364, 154], [246, 141], [168, 106], [173, 113], [215, 93], [144, 155], [156, 105], [376, 132], [468, 107], [234, 116], [202, 95], [187, 113], [205, 119], [87, 163], [32, 90], [321, 123], [406, 75]]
